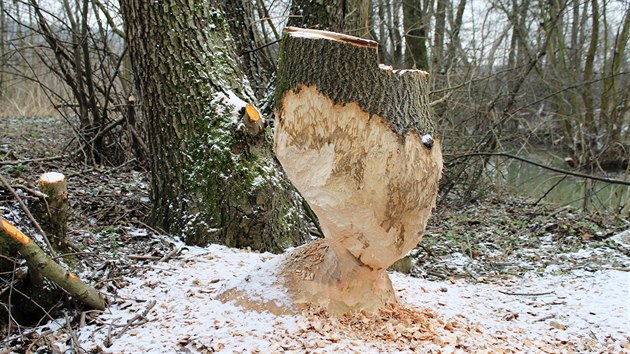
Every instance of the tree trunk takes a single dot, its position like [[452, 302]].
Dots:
[[211, 180], [416, 28], [358, 141], [324, 15], [258, 65], [590, 128], [3, 35], [357, 21], [455, 44], [438, 38]]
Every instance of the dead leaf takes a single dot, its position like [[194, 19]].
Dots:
[[510, 316], [558, 325]]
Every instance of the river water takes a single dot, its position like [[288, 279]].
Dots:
[[559, 189]]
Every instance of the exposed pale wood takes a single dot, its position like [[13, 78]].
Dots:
[[358, 142], [252, 120]]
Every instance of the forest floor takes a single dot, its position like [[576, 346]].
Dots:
[[500, 275]]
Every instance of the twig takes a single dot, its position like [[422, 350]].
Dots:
[[41, 159], [427, 250], [136, 317], [73, 335], [156, 229], [169, 254], [30, 216], [470, 272], [437, 274], [558, 170], [32, 191], [259, 48], [620, 269], [526, 294], [141, 257], [544, 318], [108, 339], [549, 190], [80, 253]]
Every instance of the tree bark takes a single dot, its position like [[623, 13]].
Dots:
[[256, 64], [358, 141], [416, 27], [324, 15], [438, 37], [590, 128], [357, 21], [52, 213], [211, 181]]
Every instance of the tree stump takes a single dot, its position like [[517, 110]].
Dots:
[[53, 213], [357, 140]]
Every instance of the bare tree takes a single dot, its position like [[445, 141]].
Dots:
[[86, 53]]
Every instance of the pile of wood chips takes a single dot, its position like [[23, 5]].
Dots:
[[392, 323], [403, 327]]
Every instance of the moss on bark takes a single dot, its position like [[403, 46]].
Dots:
[[210, 181]]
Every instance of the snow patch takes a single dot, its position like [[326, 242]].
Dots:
[[590, 311]]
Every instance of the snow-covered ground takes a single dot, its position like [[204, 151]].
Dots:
[[173, 307]]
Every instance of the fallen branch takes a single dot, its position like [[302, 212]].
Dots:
[[137, 317], [73, 336], [38, 260], [558, 170], [170, 254]]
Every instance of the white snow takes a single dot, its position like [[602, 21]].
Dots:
[[588, 310], [232, 101]]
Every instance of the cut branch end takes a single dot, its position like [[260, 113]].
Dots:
[[52, 177]]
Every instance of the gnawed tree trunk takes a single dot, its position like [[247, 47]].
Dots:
[[212, 181], [358, 141]]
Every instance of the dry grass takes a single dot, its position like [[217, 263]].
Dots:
[[24, 98]]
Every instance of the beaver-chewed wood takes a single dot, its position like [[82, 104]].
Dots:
[[358, 141]]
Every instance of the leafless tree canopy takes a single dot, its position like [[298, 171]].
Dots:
[[505, 74]]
